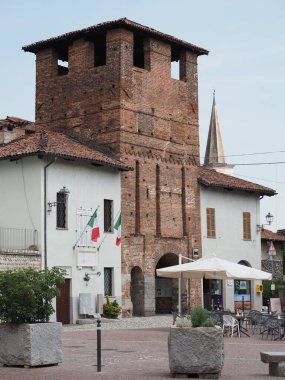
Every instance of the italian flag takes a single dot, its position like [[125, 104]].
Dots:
[[93, 223], [117, 227]]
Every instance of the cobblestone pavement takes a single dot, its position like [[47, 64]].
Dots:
[[131, 353], [126, 323]]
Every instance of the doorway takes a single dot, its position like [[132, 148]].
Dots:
[[166, 289], [213, 294], [63, 303], [137, 291]]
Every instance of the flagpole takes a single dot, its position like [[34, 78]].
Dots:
[[85, 227], [109, 230]]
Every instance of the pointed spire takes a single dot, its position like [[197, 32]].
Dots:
[[215, 156]]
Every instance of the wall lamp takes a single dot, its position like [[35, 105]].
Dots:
[[269, 219], [65, 191]]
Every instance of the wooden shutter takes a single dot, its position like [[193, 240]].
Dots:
[[211, 224], [246, 226]]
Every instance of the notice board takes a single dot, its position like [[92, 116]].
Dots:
[[275, 305]]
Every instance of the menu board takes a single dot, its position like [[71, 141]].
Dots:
[[275, 305]]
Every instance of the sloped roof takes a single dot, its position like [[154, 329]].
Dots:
[[122, 22], [269, 235], [56, 144], [212, 178], [16, 122]]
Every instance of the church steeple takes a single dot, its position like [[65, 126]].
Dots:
[[214, 155]]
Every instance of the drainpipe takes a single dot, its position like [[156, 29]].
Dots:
[[45, 210]]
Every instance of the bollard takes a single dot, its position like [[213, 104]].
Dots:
[[98, 345]]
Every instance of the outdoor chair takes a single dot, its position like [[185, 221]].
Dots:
[[257, 321], [271, 327], [231, 325], [216, 317]]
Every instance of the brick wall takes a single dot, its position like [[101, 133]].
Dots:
[[151, 121]]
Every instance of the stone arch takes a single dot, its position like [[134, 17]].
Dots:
[[137, 291], [166, 289]]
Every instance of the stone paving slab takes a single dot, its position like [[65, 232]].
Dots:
[[134, 354]]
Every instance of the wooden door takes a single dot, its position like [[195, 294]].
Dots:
[[63, 303]]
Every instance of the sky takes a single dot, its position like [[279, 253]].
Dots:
[[245, 66]]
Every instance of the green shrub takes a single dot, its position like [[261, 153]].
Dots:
[[208, 323], [26, 294], [111, 309], [198, 316]]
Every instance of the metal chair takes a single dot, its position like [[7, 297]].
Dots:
[[271, 326]]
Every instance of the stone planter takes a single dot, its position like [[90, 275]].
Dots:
[[30, 345], [198, 350]]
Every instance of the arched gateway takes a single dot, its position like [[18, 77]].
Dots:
[[166, 289]]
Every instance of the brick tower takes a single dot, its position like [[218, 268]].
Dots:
[[111, 85]]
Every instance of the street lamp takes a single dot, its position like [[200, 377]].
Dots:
[[269, 219]]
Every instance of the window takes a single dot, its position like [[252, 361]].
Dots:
[[62, 62], [100, 50], [61, 210], [108, 215], [246, 226], [211, 224], [175, 63], [138, 51], [108, 281]]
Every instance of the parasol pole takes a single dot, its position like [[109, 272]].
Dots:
[[179, 286]]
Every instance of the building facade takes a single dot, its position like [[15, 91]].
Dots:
[[230, 215], [111, 84], [51, 184]]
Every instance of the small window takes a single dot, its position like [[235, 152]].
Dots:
[[138, 51], [246, 226], [108, 281], [108, 215], [100, 50], [211, 223], [62, 62], [61, 210], [175, 64]]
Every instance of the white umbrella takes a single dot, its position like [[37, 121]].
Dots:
[[215, 268], [212, 267]]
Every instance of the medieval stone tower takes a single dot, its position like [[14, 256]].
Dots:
[[111, 85]]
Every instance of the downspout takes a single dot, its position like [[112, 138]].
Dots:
[[45, 210]]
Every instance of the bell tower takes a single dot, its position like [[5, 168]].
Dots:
[[111, 85]]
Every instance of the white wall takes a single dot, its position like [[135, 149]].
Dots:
[[21, 196], [88, 186], [229, 244], [22, 206]]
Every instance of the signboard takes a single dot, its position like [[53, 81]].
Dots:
[[66, 271], [275, 305], [87, 258], [272, 250]]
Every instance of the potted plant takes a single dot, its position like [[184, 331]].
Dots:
[[196, 345], [111, 309], [26, 297]]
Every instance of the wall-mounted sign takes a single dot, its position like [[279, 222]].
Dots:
[[87, 257], [66, 271]]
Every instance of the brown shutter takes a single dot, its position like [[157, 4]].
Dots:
[[246, 226], [211, 223]]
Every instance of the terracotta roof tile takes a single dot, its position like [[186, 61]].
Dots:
[[212, 178], [15, 122], [269, 235], [123, 22], [48, 143]]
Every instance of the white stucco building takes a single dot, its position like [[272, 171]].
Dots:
[[230, 213], [51, 184]]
